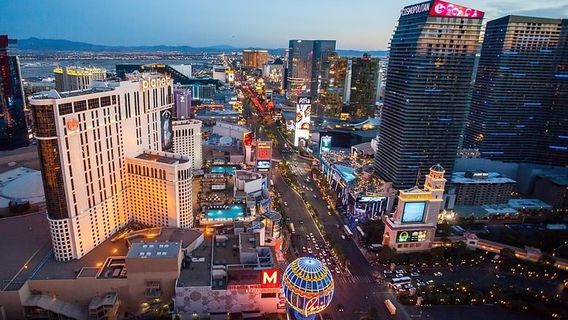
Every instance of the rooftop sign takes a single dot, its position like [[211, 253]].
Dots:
[[445, 9]]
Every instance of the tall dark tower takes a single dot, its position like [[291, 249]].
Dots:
[[13, 126], [519, 109], [428, 90]]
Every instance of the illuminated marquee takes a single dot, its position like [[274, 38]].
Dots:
[[446, 9], [270, 278], [264, 150], [149, 83], [411, 236]]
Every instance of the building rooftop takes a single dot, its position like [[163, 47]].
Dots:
[[197, 270], [528, 204], [153, 250], [491, 178], [107, 299], [248, 175], [162, 157]]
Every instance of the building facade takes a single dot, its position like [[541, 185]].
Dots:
[[76, 78], [182, 103], [476, 188], [13, 125], [428, 90], [413, 224], [254, 59], [519, 110], [188, 141], [308, 60], [84, 139]]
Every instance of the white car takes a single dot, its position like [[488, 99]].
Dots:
[[285, 203]]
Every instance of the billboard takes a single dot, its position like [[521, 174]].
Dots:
[[411, 236], [264, 150], [247, 139], [413, 212], [325, 144], [263, 165], [166, 129], [370, 199], [302, 125], [445, 9]]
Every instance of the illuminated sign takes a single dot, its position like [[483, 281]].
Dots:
[[269, 278], [72, 124], [313, 305], [371, 199], [411, 236], [263, 165], [247, 138], [415, 197], [414, 9], [149, 83], [446, 9], [264, 150], [302, 125], [413, 212], [166, 128], [325, 144]]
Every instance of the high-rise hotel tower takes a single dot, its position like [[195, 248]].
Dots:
[[105, 162], [428, 90]]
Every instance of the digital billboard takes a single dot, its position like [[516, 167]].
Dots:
[[166, 129], [445, 9], [263, 165], [413, 212], [411, 236], [370, 199], [247, 139], [302, 125], [325, 144], [264, 150]]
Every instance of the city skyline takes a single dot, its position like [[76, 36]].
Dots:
[[371, 30]]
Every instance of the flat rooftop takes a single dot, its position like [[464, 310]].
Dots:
[[197, 270], [492, 178], [167, 158], [153, 250], [528, 204], [25, 243]]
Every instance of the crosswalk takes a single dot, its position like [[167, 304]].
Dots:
[[353, 279]]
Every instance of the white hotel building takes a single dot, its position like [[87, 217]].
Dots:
[[188, 140], [86, 142]]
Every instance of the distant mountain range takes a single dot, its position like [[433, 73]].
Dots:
[[52, 45]]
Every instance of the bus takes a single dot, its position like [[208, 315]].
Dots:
[[347, 231], [390, 307], [361, 232], [271, 183], [292, 229]]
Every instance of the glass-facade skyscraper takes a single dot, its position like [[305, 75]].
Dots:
[[307, 62], [519, 110], [13, 126], [427, 91]]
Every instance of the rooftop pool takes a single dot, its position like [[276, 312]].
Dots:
[[224, 213], [230, 170]]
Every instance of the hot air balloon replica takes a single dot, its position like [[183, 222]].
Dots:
[[308, 287]]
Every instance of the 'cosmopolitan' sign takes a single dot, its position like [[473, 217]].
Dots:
[[417, 8]]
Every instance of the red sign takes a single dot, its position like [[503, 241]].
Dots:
[[270, 278], [446, 9], [263, 150], [247, 138]]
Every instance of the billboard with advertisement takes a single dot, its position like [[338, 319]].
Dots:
[[446, 9], [413, 212], [411, 236], [247, 139], [166, 129], [325, 144], [302, 125], [263, 165], [264, 150]]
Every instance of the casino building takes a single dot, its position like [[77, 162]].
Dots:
[[105, 161], [428, 90], [413, 225]]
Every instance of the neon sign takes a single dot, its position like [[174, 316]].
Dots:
[[446, 9], [414, 9]]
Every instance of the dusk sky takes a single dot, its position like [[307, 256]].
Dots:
[[358, 24]]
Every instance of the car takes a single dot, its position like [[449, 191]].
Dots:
[[311, 234], [343, 236], [438, 274], [285, 203], [340, 308], [304, 249], [288, 219], [301, 221], [315, 197], [414, 274]]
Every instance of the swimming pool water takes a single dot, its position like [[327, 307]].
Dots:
[[234, 211]]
